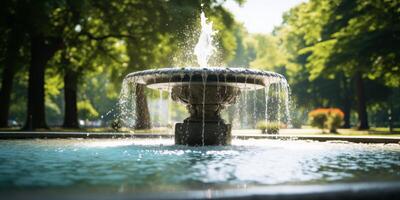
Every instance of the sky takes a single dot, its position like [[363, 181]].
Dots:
[[260, 16]]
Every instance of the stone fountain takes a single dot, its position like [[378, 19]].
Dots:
[[205, 91]]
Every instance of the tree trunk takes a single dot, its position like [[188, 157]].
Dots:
[[347, 101], [142, 110], [361, 103], [347, 114], [10, 65], [70, 99], [42, 50], [390, 116], [5, 93]]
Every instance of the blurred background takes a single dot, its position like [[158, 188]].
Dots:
[[62, 62]]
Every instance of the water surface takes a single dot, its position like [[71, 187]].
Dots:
[[120, 165]]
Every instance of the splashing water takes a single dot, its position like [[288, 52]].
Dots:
[[270, 112], [274, 108], [204, 47], [127, 104]]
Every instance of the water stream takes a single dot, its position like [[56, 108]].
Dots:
[[204, 76]]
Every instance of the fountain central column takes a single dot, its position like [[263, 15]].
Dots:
[[204, 126]]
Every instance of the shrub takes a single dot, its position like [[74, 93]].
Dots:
[[262, 125], [318, 118], [331, 118], [116, 125], [268, 127], [273, 127], [297, 122], [335, 119]]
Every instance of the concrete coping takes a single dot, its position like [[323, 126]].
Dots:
[[107, 135]]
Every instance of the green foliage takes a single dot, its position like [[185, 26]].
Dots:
[[86, 110], [327, 43], [319, 47], [262, 125], [102, 41], [354, 37], [297, 118], [268, 127], [244, 52], [270, 56]]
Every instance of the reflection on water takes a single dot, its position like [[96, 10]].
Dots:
[[157, 164]]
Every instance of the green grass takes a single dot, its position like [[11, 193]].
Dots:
[[91, 130], [374, 131], [59, 129], [371, 132]]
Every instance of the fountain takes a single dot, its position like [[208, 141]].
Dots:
[[47, 165], [204, 90]]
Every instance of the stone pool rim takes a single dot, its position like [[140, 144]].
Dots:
[[359, 190], [11, 135]]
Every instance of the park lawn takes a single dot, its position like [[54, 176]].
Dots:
[[354, 132], [60, 129], [310, 131], [372, 132], [90, 130]]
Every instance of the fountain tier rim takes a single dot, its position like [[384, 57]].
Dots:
[[243, 78]]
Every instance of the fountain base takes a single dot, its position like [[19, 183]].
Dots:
[[191, 133]]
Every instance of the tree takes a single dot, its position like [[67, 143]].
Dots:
[[301, 29], [45, 40], [362, 44], [13, 31]]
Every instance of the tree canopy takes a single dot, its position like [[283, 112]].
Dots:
[[61, 61]]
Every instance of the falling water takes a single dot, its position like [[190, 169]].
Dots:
[[254, 104], [160, 104], [266, 94], [204, 76], [287, 104], [245, 113], [169, 107], [190, 97], [237, 106], [169, 103], [218, 95], [275, 103], [279, 94], [127, 104], [203, 51]]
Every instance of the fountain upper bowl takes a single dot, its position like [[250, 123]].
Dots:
[[242, 78]]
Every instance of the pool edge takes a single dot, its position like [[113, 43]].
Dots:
[[111, 135]]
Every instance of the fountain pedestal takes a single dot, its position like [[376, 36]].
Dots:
[[204, 126], [191, 133]]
